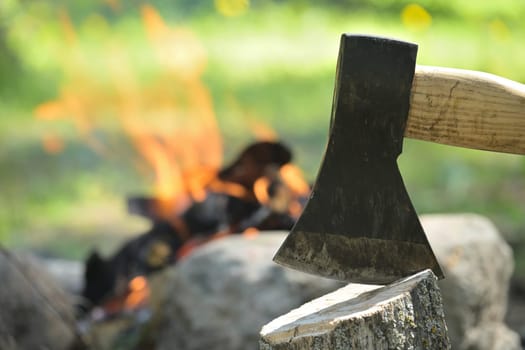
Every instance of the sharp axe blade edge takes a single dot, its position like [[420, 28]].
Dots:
[[359, 224], [358, 260]]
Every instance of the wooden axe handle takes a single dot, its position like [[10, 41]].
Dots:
[[468, 109]]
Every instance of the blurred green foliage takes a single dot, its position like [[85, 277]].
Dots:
[[274, 62]]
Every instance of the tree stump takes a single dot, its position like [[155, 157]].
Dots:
[[407, 314]]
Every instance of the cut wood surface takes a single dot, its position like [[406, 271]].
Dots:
[[407, 314], [467, 108]]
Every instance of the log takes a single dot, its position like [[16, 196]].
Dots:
[[407, 314]]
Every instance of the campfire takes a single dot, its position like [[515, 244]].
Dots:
[[260, 191], [171, 122]]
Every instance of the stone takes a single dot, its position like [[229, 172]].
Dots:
[[69, 274], [35, 313], [491, 335], [477, 264], [221, 295], [407, 314]]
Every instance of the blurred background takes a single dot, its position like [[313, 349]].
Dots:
[[104, 99]]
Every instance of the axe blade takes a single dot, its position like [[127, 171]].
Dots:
[[359, 224]]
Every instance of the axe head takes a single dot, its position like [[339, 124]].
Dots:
[[359, 224]]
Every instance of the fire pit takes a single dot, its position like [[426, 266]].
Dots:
[[260, 190]]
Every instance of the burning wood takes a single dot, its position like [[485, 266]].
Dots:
[[261, 190]]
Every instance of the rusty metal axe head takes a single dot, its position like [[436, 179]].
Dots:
[[359, 224]]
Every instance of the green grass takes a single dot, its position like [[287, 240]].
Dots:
[[276, 64]]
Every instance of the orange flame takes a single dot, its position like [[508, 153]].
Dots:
[[289, 188], [191, 151], [139, 292], [78, 99], [152, 145], [49, 110], [180, 139], [293, 178], [170, 120], [250, 233], [230, 188], [260, 188], [262, 131]]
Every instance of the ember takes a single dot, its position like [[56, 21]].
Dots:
[[138, 292]]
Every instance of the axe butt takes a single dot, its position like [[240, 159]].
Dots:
[[468, 109]]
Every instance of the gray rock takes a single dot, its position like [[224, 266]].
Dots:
[[491, 335], [222, 294], [477, 264], [407, 314], [34, 312], [69, 274]]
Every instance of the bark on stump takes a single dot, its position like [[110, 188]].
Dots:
[[407, 314]]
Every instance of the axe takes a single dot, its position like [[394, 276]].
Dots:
[[359, 224]]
